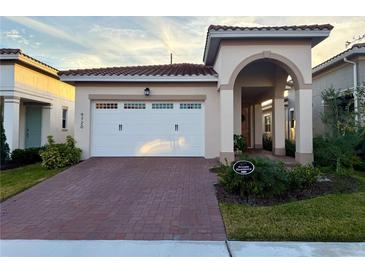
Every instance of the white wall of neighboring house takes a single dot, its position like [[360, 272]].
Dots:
[[30, 86]]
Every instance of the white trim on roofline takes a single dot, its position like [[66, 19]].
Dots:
[[108, 78], [30, 61], [338, 59], [317, 35], [268, 33]]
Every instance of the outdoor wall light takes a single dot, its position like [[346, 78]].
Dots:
[[147, 92]]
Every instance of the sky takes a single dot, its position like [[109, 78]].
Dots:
[[87, 42]]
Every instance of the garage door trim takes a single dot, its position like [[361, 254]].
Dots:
[[195, 136]]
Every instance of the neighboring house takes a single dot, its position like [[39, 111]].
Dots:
[[344, 71], [335, 72], [194, 110], [35, 102]]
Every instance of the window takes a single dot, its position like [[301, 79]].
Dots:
[[190, 106], [134, 106], [64, 118], [162, 106], [291, 117], [267, 123], [106, 105]]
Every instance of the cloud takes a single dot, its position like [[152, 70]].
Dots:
[[44, 28], [15, 36], [115, 41]]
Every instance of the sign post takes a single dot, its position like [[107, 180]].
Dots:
[[243, 167]]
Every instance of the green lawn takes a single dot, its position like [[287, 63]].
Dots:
[[334, 217], [15, 180]]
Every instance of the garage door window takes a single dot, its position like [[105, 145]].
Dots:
[[106, 105], [162, 106], [190, 106], [134, 106]]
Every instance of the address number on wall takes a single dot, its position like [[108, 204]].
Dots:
[[81, 120]]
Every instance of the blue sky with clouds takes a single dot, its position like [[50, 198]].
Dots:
[[81, 42]]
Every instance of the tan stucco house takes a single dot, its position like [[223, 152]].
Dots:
[[195, 109], [35, 103]]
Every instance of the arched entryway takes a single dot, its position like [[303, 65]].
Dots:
[[268, 76]]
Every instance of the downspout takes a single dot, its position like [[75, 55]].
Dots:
[[355, 86]]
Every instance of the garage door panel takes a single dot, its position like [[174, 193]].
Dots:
[[148, 132]]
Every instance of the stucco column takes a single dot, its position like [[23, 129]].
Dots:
[[278, 112], [46, 124], [237, 93], [252, 126], [278, 133], [258, 126], [11, 121], [303, 127], [226, 122]]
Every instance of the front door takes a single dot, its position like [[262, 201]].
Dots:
[[33, 126]]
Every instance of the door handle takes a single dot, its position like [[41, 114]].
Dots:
[[27, 132], [120, 127], [176, 127]]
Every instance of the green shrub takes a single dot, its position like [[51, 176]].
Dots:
[[360, 148], [60, 155], [268, 180], [26, 156], [289, 148], [335, 151], [239, 143], [4, 147], [301, 177], [321, 153], [267, 142], [358, 163]]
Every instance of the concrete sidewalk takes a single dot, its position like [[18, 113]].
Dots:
[[127, 248], [296, 249], [112, 248]]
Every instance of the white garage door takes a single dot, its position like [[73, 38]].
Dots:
[[147, 129]]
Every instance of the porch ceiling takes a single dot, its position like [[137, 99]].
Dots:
[[253, 95]]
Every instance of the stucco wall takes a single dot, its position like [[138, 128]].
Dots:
[[299, 52], [340, 77], [33, 86], [6, 76], [212, 114], [361, 70], [42, 83]]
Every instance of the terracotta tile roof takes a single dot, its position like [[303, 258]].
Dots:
[[264, 30], [299, 27], [183, 69], [333, 60], [8, 51]]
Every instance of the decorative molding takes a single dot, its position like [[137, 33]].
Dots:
[[197, 78], [278, 59], [120, 97], [11, 99], [214, 38]]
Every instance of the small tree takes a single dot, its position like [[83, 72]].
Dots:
[[4, 145], [345, 132]]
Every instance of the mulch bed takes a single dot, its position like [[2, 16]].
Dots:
[[323, 187]]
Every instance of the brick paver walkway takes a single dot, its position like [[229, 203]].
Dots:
[[119, 198]]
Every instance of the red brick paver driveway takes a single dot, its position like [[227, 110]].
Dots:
[[119, 198]]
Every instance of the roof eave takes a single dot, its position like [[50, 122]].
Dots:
[[30, 62], [138, 79], [210, 52], [337, 60]]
